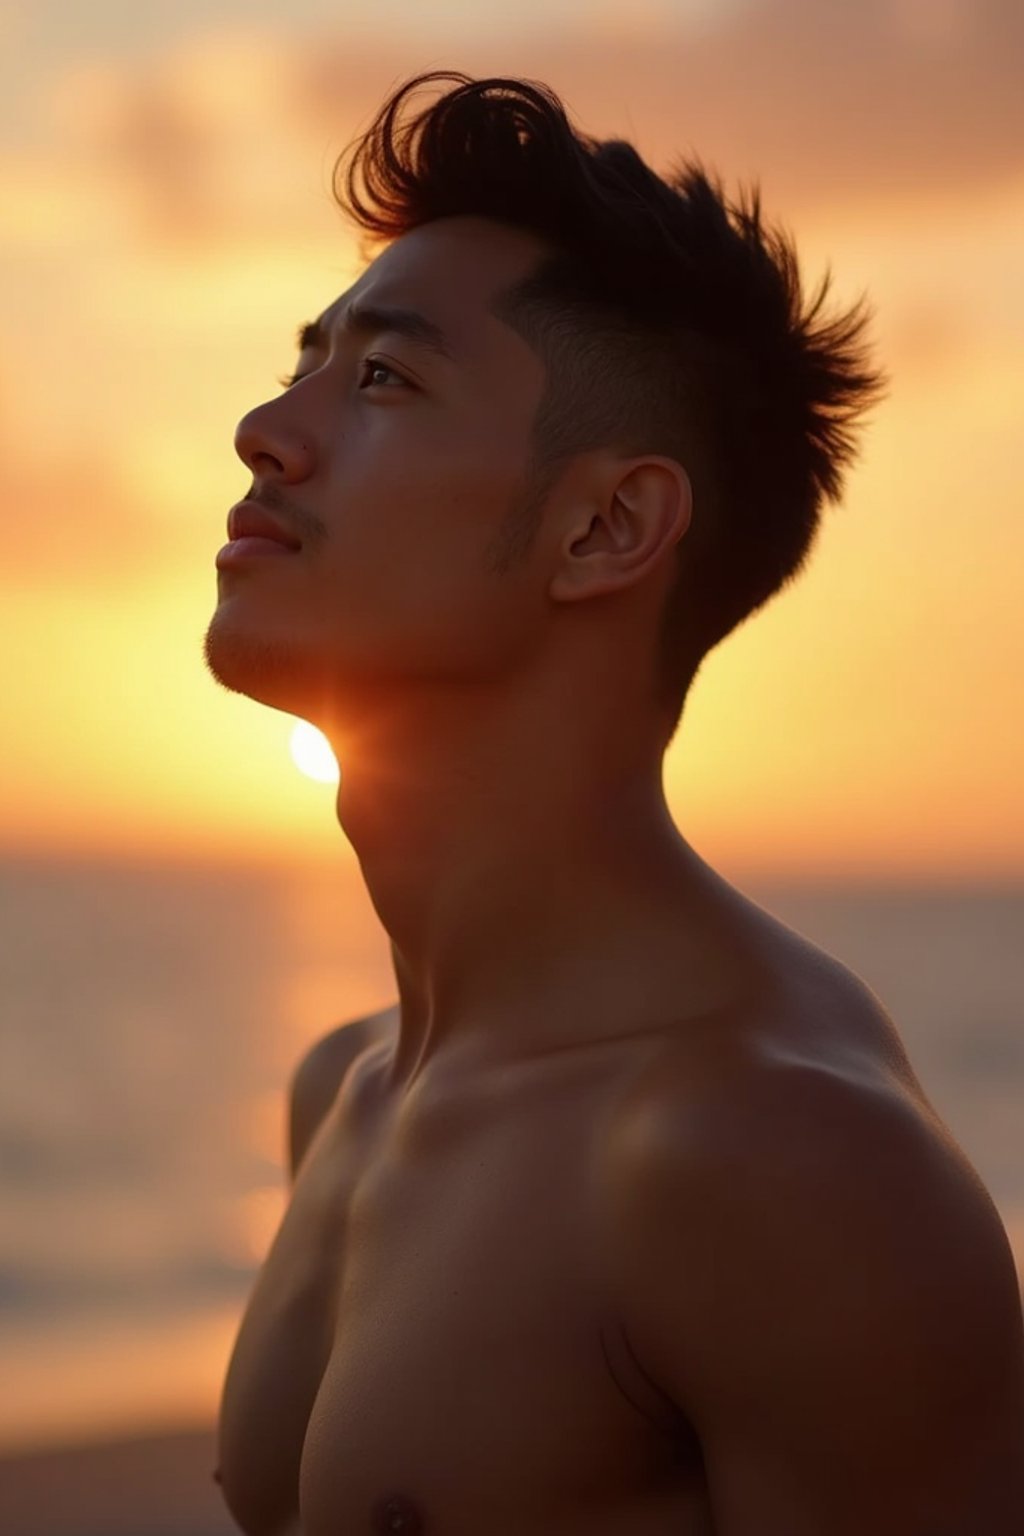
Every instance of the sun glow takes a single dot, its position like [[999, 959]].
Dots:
[[311, 752]]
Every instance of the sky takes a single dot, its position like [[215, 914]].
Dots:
[[166, 222]]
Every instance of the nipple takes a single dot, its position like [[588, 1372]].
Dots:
[[216, 1474], [397, 1517]]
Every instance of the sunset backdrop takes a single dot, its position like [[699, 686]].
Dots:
[[166, 224], [182, 914]]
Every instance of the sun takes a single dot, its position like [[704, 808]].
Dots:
[[311, 752]]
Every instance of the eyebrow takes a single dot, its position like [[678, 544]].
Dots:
[[367, 319]]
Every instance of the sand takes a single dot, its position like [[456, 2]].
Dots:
[[152, 1485]]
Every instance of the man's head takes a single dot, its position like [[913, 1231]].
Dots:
[[630, 427]]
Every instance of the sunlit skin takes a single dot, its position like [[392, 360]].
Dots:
[[631, 1217]]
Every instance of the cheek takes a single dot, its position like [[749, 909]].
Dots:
[[428, 501], [413, 512], [408, 579]]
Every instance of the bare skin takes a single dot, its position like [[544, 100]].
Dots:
[[513, 1287], [437, 1335], [441, 1334]]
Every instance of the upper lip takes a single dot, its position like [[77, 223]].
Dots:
[[247, 518]]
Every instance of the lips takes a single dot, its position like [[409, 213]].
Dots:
[[247, 520]]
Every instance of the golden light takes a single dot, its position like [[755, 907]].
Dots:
[[311, 752]]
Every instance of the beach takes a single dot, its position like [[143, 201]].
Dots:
[[158, 1484]]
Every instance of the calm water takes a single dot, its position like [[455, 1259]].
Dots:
[[149, 1019]]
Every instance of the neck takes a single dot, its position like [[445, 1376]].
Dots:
[[526, 868]]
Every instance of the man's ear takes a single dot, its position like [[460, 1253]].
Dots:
[[622, 528]]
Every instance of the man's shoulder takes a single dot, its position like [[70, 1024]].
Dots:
[[795, 1230], [317, 1076], [333, 1051], [727, 1116], [814, 1080], [777, 1142], [794, 1243]]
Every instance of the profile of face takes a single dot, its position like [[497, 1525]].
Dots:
[[395, 465]]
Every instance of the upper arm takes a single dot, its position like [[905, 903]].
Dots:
[[315, 1081], [822, 1283]]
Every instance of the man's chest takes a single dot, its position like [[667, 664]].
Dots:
[[436, 1325]]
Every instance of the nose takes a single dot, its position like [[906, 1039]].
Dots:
[[268, 443]]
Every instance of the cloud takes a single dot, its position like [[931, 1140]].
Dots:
[[198, 145], [827, 102], [75, 520], [823, 103]]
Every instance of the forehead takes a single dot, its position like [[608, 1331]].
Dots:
[[451, 271]]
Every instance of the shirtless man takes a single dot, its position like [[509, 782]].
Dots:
[[630, 1217]]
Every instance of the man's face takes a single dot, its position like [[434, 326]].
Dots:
[[395, 466]]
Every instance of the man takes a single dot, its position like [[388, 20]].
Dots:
[[630, 1216]]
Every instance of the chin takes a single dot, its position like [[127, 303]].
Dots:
[[279, 672], [269, 671]]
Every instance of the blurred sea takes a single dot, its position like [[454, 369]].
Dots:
[[150, 1018]]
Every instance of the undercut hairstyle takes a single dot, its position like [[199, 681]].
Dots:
[[669, 319]]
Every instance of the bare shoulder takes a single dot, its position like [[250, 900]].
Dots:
[[317, 1076], [812, 1269], [798, 1239], [814, 1066], [775, 1110]]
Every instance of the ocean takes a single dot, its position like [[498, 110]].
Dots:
[[150, 1017]]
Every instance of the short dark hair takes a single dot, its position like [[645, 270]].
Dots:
[[670, 321]]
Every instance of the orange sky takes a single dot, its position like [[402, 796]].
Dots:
[[166, 222]]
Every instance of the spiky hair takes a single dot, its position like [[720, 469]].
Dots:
[[670, 319]]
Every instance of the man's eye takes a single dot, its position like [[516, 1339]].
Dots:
[[371, 363], [374, 364]]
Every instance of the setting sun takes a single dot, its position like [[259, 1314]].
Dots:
[[311, 751]]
